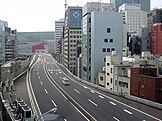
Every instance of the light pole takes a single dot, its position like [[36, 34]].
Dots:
[[52, 110]]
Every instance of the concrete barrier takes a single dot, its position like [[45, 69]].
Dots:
[[127, 96]]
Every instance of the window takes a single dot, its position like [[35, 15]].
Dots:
[[111, 70], [107, 83], [103, 49], [108, 30], [105, 40], [108, 64], [104, 59], [108, 49], [112, 49], [101, 78], [111, 81], [108, 74], [111, 41]]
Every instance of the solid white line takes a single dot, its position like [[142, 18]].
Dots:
[[101, 97], [112, 103], [41, 83], [77, 91], [116, 119], [92, 102], [54, 103], [92, 91], [127, 111], [45, 90]]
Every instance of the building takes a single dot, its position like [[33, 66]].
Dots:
[[95, 40], [11, 45], [2, 43], [144, 80], [156, 43], [153, 17], [35, 36], [72, 37], [59, 30], [102, 78], [145, 4], [145, 40], [134, 18]]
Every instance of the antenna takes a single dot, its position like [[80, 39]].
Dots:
[[65, 4]]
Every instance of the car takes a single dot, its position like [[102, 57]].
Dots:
[[65, 81]]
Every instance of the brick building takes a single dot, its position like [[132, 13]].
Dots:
[[156, 44], [146, 84]]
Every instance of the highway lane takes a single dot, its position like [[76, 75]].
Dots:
[[49, 97], [98, 105]]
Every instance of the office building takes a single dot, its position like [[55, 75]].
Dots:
[[145, 4], [134, 18], [100, 38], [153, 17], [2, 43], [156, 39], [72, 37], [59, 28]]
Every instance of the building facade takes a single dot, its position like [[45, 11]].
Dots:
[[59, 31], [72, 37], [2, 43], [153, 17], [156, 43], [144, 80], [134, 18], [104, 36], [145, 4]]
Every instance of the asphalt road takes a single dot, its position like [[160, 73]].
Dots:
[[98, 105], [48, 97]]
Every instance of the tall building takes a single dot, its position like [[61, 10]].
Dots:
[[134, 18], [145, 4], [100, 37], [2, 43], [59, 28], [72, 37], [153, 17], [156, 43]]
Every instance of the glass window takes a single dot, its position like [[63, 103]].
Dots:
[[108, 30], [111, 40], [105, 40], [103, 49]]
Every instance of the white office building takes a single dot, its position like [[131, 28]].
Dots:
[[102, 34], [134, 18]]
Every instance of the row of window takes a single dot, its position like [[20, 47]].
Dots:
[[74, 36], [75, 32], [108, 40], [108, 49]]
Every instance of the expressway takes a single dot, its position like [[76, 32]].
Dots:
[[47, 84], [48, 97]]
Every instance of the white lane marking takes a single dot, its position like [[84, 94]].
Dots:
[[92, 91], [51, 72], [56, 73], [60, 78], [37, 72], [92, 102], [116, 119], [76, 90], [127, 111], [112, 103], [45, 90], [65, 119], [85, 87], [41, 83], [143, 120], [54, 103], [39, 77], [101, 97]]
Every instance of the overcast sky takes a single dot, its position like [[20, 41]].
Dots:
[[40, 15]]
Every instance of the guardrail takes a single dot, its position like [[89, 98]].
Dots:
[[127, 96]]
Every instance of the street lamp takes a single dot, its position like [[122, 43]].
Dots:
[[52, 110]]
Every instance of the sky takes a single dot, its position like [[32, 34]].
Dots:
[[40, 15]]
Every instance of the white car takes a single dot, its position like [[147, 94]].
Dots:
[[65, 81]]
